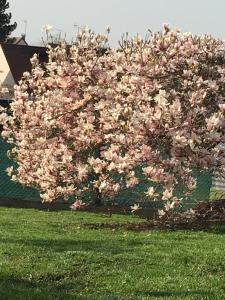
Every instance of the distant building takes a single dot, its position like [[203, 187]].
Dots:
[[15, 60], [17, 40]]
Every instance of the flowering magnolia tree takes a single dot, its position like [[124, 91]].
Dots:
[[101, 120]]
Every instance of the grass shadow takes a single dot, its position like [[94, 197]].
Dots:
[[198, 294], [12, 288], [64, 245], [218, 228]]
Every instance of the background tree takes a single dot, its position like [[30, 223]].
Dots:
[[5, 18]]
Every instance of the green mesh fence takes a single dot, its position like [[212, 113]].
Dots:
[[12, 190], [202, 192], [8, 188]]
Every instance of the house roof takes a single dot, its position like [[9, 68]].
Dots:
[[16, 40], [18, 58]]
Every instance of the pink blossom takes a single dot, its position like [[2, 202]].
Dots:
[[77, 204], [135, 207]]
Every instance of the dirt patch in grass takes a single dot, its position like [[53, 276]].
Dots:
[[19, 203], [202, 217], [148, 226]]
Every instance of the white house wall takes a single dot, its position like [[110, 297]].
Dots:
[[6, 78]]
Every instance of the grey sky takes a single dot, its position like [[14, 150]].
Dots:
[[134, 16]]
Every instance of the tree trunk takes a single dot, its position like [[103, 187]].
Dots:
[[97, 197]]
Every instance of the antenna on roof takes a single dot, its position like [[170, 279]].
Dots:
[[75, 25], [25, 28]]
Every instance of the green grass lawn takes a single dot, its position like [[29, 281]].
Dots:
[[51, 255], [217, 194]]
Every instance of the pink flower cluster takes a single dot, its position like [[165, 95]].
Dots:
[[92, 115]]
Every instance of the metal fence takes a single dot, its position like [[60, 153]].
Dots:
[[12, 190], [8, 188]]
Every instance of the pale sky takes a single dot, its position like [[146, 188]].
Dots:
[[134, 16]]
